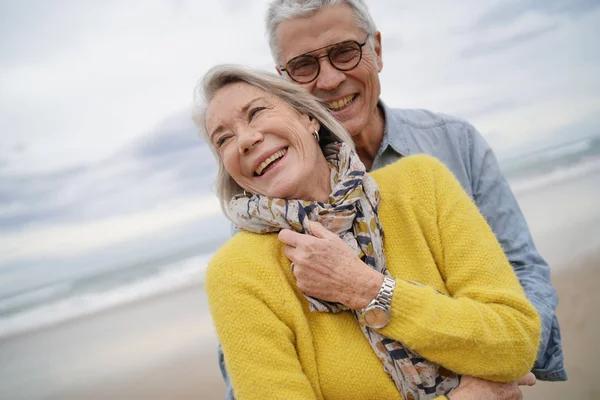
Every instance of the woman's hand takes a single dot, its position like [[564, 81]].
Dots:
[[326, 268]]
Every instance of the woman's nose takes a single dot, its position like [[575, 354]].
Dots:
[[248, 140]]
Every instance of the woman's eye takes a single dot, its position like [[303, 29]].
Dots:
[[221, 141], [255, 111]]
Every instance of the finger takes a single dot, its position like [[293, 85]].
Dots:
[[527, 380], [290, 253], [466, 380], [318, 230], [289, 237]]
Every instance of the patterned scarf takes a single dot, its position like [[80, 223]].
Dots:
[[352, 214]]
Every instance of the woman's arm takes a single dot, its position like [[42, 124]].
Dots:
[[485, 327], [259, 347]]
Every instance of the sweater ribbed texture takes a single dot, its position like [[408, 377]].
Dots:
[[482, 324]]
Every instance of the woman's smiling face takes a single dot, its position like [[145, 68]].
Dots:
[[267, 146]]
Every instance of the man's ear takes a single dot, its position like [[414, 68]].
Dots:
[[378, 51], [278, 69]]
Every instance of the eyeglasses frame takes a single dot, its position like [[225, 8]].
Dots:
[[331, 46]]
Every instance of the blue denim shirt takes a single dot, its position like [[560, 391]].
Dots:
[[466, 153]]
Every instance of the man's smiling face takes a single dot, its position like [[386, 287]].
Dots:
[[350, 95]]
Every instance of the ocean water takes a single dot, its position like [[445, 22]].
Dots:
[[552, 165], [48, 305], [531, 176]]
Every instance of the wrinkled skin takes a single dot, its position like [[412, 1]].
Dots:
[[471, 388], [326, 268]]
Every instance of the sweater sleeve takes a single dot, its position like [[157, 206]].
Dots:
[[485, 327], [258, 345]]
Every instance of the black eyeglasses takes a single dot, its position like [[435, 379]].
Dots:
[[343, 56]]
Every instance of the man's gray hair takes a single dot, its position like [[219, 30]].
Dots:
[[282, 10], [302, 101]]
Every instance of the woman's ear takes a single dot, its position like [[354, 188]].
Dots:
[[314, 124]]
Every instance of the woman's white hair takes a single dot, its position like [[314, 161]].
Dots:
[[283, 10], [302, 101]]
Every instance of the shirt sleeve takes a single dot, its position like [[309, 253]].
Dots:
[[496, 202], [485, 327]]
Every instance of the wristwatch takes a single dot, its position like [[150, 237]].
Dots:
[[376, 314]]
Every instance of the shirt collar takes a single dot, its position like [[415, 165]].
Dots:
[[393, 135]]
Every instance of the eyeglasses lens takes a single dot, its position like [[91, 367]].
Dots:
[[343, 56]]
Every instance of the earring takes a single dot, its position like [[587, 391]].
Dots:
[[316, 135], [245, 193]]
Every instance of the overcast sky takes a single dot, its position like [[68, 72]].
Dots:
[[97, 152]]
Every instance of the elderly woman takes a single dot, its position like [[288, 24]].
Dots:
[[422, 292]]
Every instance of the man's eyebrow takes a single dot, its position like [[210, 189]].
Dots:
[[242, 111], [320, 48]]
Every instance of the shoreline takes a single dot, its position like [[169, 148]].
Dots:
[[165, 347], [192, 287]]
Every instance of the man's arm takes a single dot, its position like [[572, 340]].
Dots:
[[498, 205], [229, 393]]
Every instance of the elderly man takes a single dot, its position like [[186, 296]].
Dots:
[[333, 49]]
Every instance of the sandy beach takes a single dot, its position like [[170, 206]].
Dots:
[[580, 328], [165, 347], [161, 349]]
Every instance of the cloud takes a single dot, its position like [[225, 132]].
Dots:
[[66, 240], [54, 21], [484, 48], [100, 163], [483, 107], [104, 73], [167, 163], [507, 11], [236, 6], [108, 213], [194, 236]]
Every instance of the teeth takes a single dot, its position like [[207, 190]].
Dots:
[[269, 160], [339, 104]]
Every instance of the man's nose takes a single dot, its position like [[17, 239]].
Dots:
[[329, 77], [248, 139]]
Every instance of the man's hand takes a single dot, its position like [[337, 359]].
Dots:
[[471, 388], [326, 268]]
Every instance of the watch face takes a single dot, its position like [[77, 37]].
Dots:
[[376, 318]]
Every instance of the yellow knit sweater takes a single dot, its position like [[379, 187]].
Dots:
[[275, 348]]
